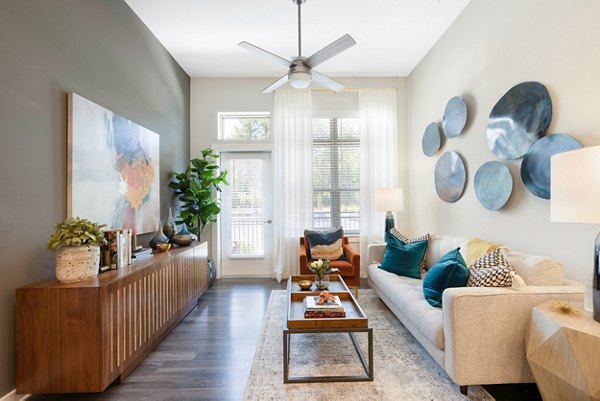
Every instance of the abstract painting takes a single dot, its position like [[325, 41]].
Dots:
[[113, 169]]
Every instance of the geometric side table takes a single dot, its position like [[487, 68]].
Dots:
[[563, 352]]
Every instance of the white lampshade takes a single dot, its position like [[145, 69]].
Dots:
[[299, 79], [575, 186], [389, 199]]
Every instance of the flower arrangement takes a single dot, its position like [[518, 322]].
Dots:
[[320, 268]]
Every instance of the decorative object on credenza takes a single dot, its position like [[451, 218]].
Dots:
[[520, 118], [432, 139], [450, 177], [183, 237], [196, 189], [212, 272], [113, 166], [493, 184], [169, 228], [77, 244], [455, 117], [575, 198], [159, 238], [389, 200], [535, 167], [161, 247]]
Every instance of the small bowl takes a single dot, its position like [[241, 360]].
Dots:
[[305, 284], [162, 247]]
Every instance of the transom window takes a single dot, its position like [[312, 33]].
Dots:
[[336, 173], [244, 126]]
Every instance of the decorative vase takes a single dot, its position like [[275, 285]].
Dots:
[[184, 237], [76, 263], [322, 283], [212, 272], [169, 228], [159, 238]]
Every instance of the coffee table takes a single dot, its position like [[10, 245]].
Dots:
[[354, 322]]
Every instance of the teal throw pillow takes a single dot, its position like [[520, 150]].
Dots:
[[403, 259], [450, 271]]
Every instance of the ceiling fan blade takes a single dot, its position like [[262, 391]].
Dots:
[[326, 82], [276, 84], [332, 49], [256, 49]]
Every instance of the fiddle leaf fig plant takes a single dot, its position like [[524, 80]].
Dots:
[[75, 231], [196, 188]]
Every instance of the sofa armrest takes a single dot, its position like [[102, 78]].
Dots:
[[484, 331], [375, 253], [303, 259]]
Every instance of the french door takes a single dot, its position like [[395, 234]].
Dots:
[[246, 229]]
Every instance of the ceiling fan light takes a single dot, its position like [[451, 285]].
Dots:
[[299, 79]]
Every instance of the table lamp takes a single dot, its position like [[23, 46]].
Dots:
[[575, 198], [389, 200]]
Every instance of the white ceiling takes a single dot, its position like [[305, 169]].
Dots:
[[392, 35]]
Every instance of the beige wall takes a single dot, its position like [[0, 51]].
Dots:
[[492, 46], [212, 95]]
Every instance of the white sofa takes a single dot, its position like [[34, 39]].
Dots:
[[478, 337]]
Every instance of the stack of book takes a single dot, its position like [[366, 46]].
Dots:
[[118, 252], [331, 308]]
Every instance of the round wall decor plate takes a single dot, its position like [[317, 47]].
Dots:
[[432, 140], [535, 167], [493, 184], [450, 177], [455, 117], [520, 118]]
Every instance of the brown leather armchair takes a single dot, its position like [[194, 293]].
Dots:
[[349, 268]]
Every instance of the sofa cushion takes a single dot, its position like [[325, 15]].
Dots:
[[490, 270], [450, 271], [535, 270], [439, 245], [402, 258], [408, 240], [406, 295], [325, 244]]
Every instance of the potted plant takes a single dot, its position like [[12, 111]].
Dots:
[[77, 244], [196, 189], [322, 270]]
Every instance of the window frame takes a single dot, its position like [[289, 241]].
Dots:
[[335, 205], [221, 115]]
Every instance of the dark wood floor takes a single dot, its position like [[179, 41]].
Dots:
[[208, 356]]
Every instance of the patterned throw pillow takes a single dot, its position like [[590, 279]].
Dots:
[[407, 240], [490, 270], [325, 244]]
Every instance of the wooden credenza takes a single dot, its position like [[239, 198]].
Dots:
[[80, 337]]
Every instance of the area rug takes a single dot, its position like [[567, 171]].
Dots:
[[403, 369]]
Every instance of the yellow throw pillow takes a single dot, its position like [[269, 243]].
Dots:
[[477, 247]]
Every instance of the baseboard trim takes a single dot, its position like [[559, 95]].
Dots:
[[12, 396]]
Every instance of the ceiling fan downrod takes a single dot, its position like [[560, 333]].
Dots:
[[299, 4]]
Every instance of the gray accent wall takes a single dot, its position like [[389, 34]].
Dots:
[[101, 50]]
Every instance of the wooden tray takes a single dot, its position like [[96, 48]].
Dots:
[[355, 317]]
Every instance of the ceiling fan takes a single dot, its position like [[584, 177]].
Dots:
[[301, 71]]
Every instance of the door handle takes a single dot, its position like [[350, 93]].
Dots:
[[268, 221]]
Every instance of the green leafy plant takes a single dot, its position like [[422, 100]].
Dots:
[[196, 188], [321, 268], [75, 231]]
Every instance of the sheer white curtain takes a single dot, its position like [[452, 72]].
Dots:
[[378, 160], [292, 155]]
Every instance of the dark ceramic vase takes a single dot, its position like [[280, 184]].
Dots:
[[169, 228], [184, 237], [159, 238]]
